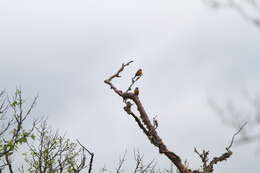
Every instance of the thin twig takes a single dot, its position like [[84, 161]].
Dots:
[[121, 162], [134, 80], [233, 137], [91, 156]]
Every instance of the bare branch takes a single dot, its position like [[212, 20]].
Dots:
[[148, 127], [91, 156], [233, 137], [204, 156], [141, 167], [117, 75], [134, 80], [9, 164], [233, 116], [121, 163]]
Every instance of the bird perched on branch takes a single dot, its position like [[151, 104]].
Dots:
[[139, 73], [136, 91], [155, 122], [127, 108]]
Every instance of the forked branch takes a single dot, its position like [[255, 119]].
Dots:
[[145, 124]]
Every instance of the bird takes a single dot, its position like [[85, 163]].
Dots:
[[155, 122], [136, 91], [127, 108], [139, 73], [129, 104]]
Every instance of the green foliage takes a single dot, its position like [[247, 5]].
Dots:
[[13, 115], [47, 151], [52, 152]]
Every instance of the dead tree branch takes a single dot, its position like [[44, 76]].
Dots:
[[233, 137], [149, 128], [145, 123], [233, 116], [208, 167]]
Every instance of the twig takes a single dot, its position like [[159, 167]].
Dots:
[[233, 137], [91, 156], [117, 75], [120, 164], [134, 80]]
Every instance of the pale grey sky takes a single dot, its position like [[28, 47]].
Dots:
[[64, 49]]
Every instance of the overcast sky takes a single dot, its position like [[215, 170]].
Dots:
[[63, 50]]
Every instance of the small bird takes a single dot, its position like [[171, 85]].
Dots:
[[136, 91], [127, 108], [139, 73], [128, 104], [155, 122]]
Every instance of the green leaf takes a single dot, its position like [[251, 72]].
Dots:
[[33, 137], [23, 140], [14, 103]]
